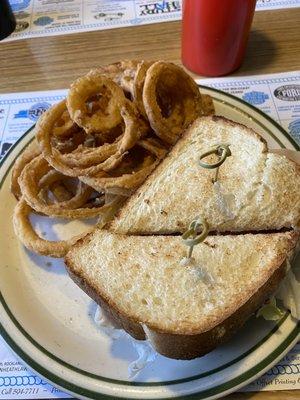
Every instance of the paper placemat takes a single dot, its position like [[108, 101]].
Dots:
[[278, 95], [36, 18]]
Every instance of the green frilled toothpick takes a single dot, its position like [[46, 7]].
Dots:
[[222, 151], [197, 232]]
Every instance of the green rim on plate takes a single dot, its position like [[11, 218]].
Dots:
[[65, 385]]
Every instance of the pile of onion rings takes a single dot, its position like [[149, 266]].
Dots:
[[94, 148]]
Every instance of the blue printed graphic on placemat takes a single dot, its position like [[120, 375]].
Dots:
[[34, 112], [42, 21], [255, 98], [294, 128], [18, 5], [21, 380], [159, 7], [21, 114], [37, 110], [289, 369]]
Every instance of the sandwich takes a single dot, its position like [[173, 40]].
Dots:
[[184, 310], [150, 274]]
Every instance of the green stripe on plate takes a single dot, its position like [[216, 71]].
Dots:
[[127, 383], [74, 389]]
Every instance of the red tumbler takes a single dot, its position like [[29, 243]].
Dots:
[[215, 34]]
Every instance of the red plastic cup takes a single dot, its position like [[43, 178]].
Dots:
[[215, 34]]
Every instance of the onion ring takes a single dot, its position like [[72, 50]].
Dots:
[[31, 240], [135, 128], [171, 99], [127, 177], [30, 152], [107, 155], [63, 196], [85, 88], [38, 173], [138, 85], [82, 161]]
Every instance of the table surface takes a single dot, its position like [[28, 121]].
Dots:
[[54, 62]]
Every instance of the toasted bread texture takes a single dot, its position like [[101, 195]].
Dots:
[[185, 309], [256, 190]]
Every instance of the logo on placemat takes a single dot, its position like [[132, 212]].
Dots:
[[37, 110], [159, 7], [288, 93], [34, 112], [255, 98], [42, 21]]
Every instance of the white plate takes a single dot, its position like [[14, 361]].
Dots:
[[48, 321]]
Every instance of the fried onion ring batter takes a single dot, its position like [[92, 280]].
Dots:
[[171, 99], [82, 99], [85, 160], [30, 152], [37, 174]]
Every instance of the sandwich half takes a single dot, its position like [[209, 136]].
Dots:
[[255, 190], [185, 308]]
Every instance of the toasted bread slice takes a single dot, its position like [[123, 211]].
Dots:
[[185, 310], [256, 190]]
